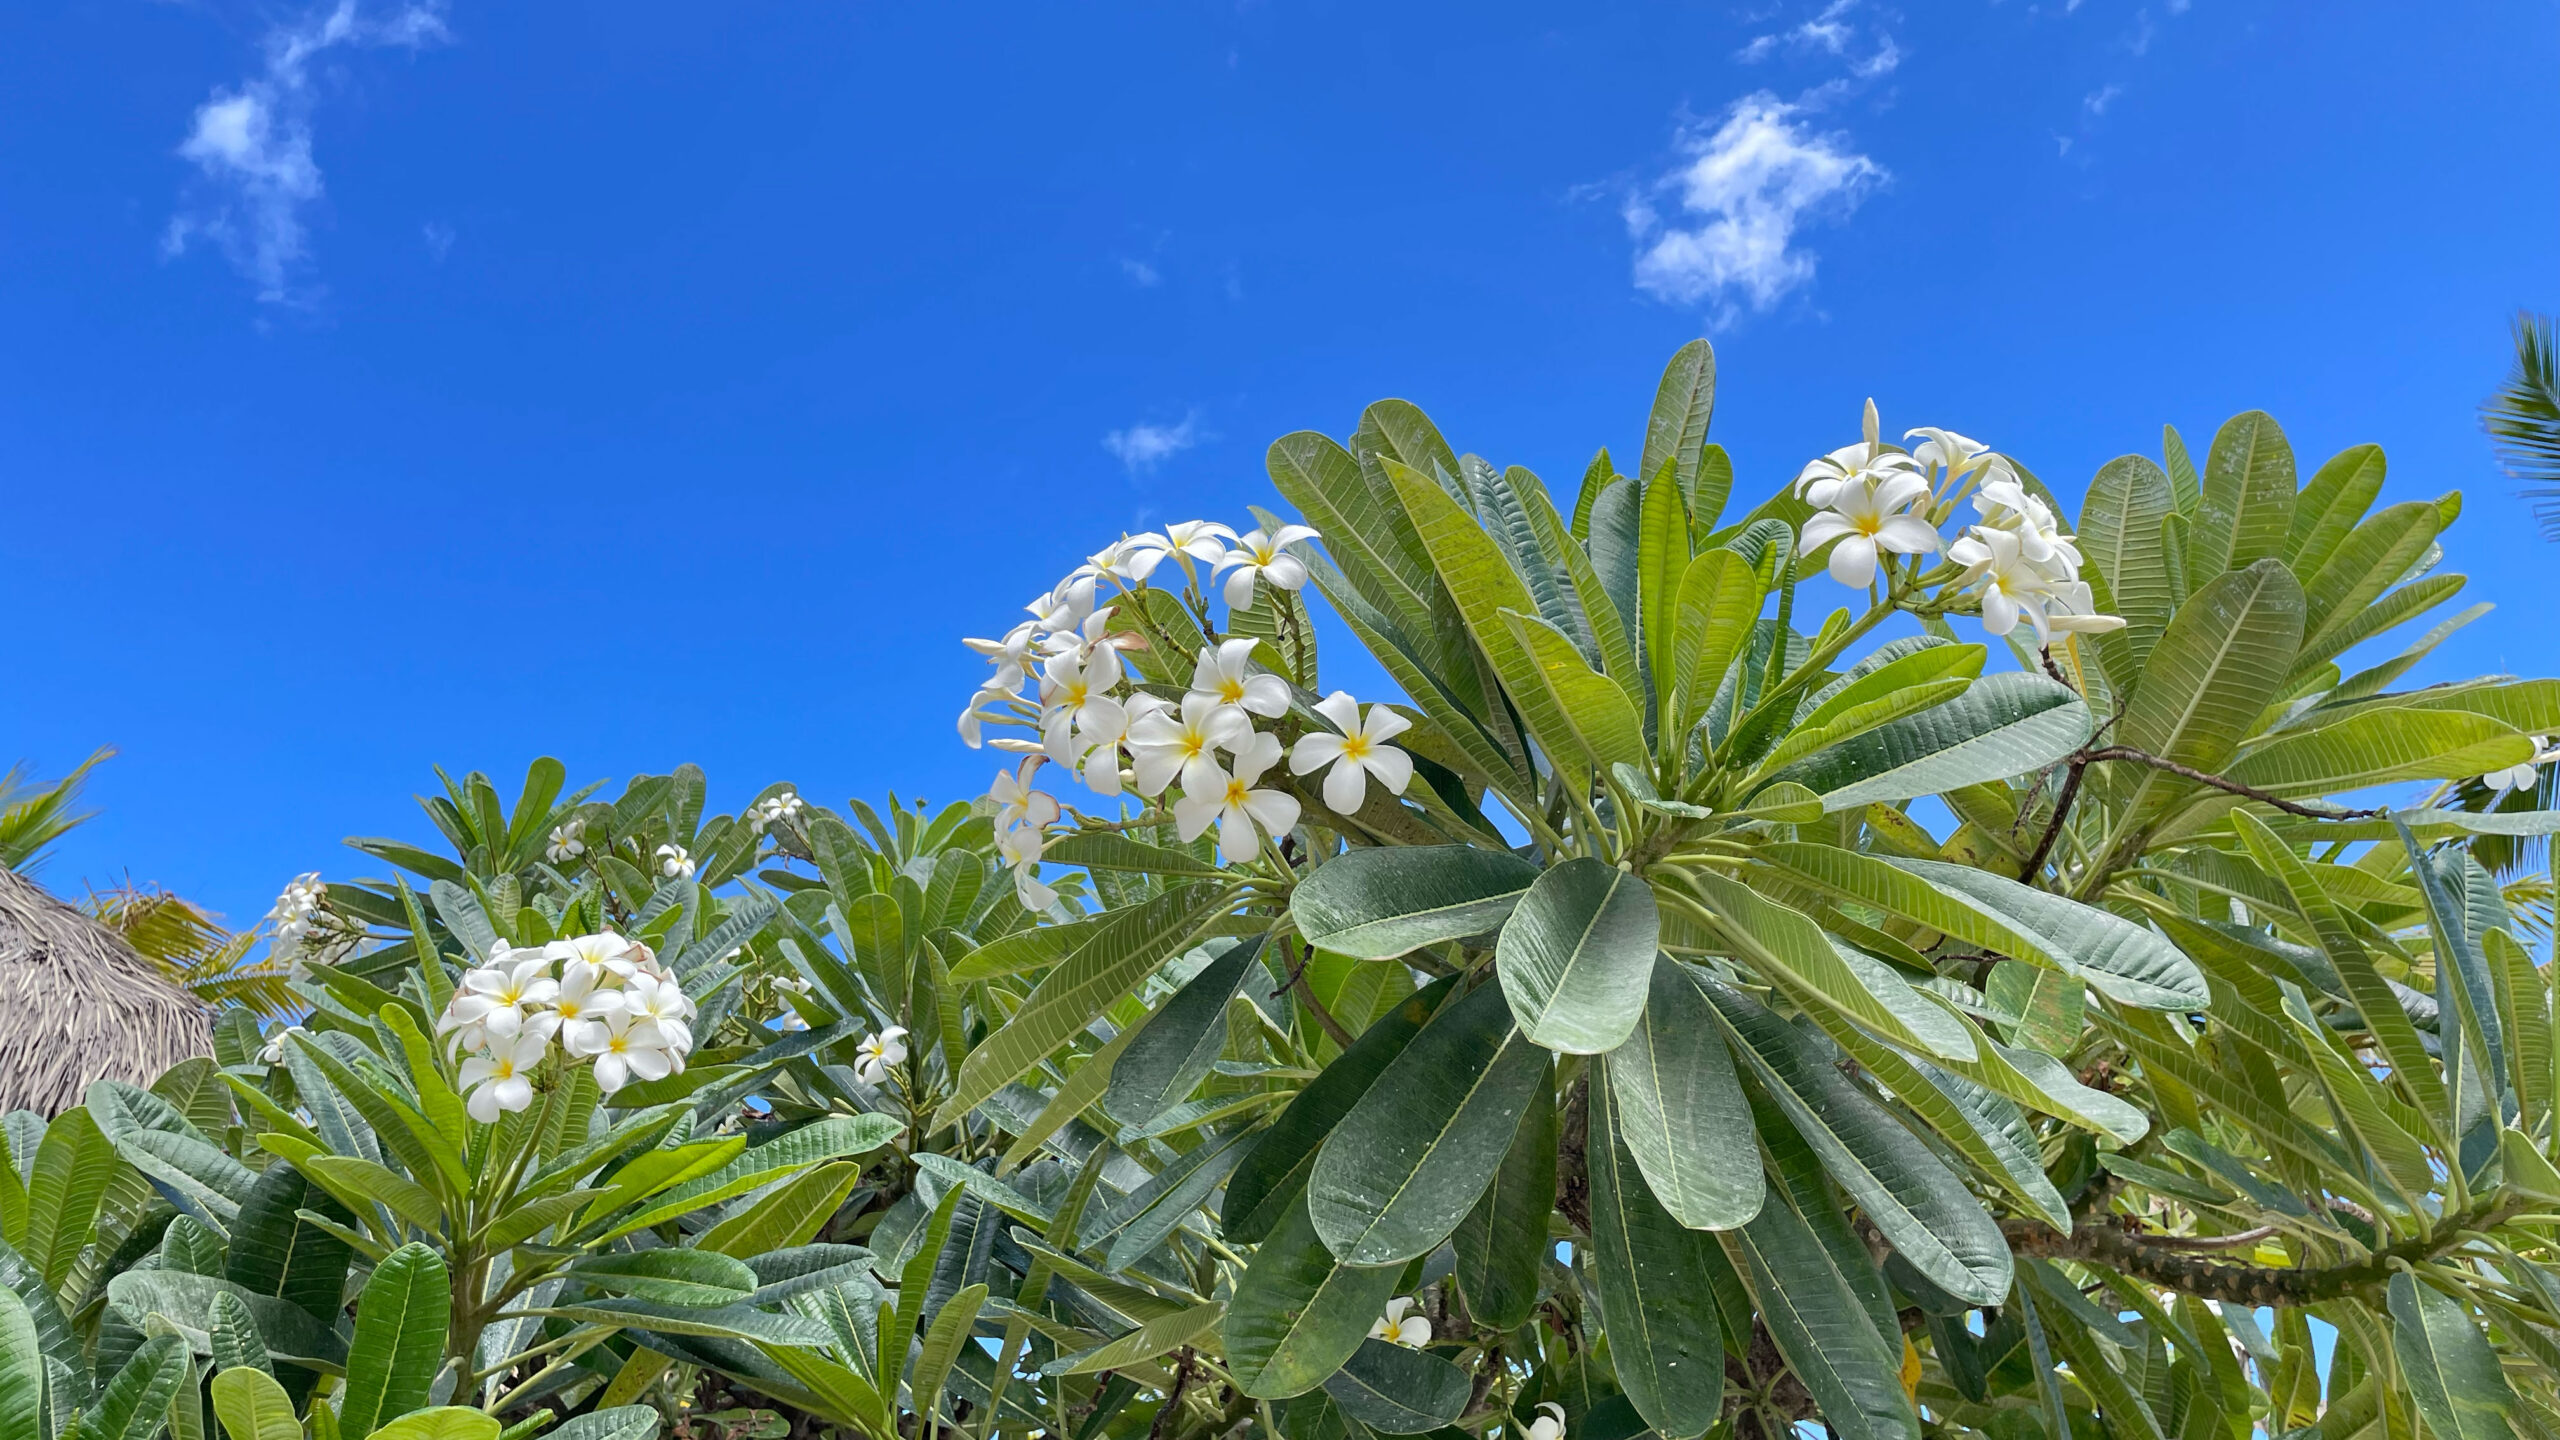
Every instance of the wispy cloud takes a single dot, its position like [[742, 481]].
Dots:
[[1144, 446], [2097, 101], [439, 238], [1833, 32], [1140, 273], [1751, 180], [252, 144]]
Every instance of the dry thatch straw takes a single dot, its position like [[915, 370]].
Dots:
[[78, 1004]]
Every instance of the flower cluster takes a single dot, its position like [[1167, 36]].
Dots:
[[2524, 774], [598, 997], [1877, 500], [1204, 750], [296, 909], [568, 841], [767, 813]]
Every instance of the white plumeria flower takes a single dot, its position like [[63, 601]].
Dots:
[[496, 1003], [1072, 699], [1065, 607], [1867, 517], [1227, 676], [1233, 803], [1402, 1325], [1035, 897], [1184, 744], [1550, 1422], [273, 1052], [663, 1003], [1261, 556], [2073, 610], [974, 718], [2006, 505], [567, 842], [878, 1054], [1010, 655], [291, 915], [499, 1081], [674, 863], [626, 1049], [584, 1003], [2525, 774], [769, 812], [1095, 646], [792, 1021], [1113, 562], [1948, 451], [1018, 805], [2011, 586], [1356, 754], [1099, 735]]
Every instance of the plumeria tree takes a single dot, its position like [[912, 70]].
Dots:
[[1697, 1005]]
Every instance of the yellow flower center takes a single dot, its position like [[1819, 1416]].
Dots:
[[1230, 690], [1235, 792], [1355, 747]]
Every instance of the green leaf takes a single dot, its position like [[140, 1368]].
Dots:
[[1657, 1285], [1718, 599], [355, 1181], [189, 1301], [156, 1139], [1156, 1337], [21, 1369], [399, 1340], [2460, 1387], [1598, 720], [1112, 850], [1576, 956], [833, 1137], [1676, 431], [2221, 663], [622, 1422], [1379, 902], [1680, 1111], [1980, 1123], [1271, 1178], [73, 1166], [1502, 1246], [135, 1403], [2340, 493], [672, 1275], [1070, 997], [1662, 564], [445, 1422], [2378, 554], [1408, 1161], [252, 1406], [2245, 513], [1181, 1040], [1913, 1198], [942, 1342], [1298, 1313], [731, 1322], [1396, 1391], [1821, 1328], [2003, 725], [2119, 540], [2380, 746], [788, 1215], [1814, 967]]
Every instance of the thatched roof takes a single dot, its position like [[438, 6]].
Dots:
[[77, 1004]]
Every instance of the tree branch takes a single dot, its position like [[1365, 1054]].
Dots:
[[2228, 787], [2152, 1259], [1298, 981]]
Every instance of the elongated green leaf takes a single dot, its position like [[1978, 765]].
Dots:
[[1816, 968], [942, 1342], [1919, 1204], [156, 1139], [445, 1422], [1662, 563], [621, 1422], [1599, 721], [732, 1322], [1718, 599], [674, 1275], [1502, 1245], [1271, 1178], [1380, 902], [2460, 1387], [1577, 954], [1068, 998], [2221, 663], [21, 1369], [399, 1341], [2337, 497], [2245, 513], [2376, 555], [1680, 1111], [833, 1137], [1676, 430], [1366, 532], [134, 1405], [73, 1168], [1396, 1391], [1177, 1044], [1980, 1123], [1148, 1341], [1407, 1163], [1112, 850], [2379, 746], [2004, 725], [1657, 1289], [1821, 1328], [252, 1406], [1298, 1313], [189, 1301], [2119, 539], [1032, 949]]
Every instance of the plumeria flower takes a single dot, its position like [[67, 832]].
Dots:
[[878, 1054], [2011, 586], [1235, 805], [1165, 745], [1867, 517], [2073, 610], [1946, 450], [1264, 556], [1072, 698], [2006, 505], [1550, 1422], [1226, 675], [567, 843], [1097, 647], [499, 1081], [663, 1003], [1065, 607], [1018, 805], [1099, 736], [791, 1020], [974, 718], [1822, 478], [1035, 897], [294, 908], [772, 811], [273, 1052], [584, 1004], [496, 1003], [625, 1049], [2524, 774], [674, 863], [1402, 1325], [1113, 563], [1010, 655], [1356, 754]]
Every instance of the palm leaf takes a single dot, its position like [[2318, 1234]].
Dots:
[[2523, 417]]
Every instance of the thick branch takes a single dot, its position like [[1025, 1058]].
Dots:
[[2156, 1260], [1307, 993], [1573, 1177], [2061, 812], [2228, 787]]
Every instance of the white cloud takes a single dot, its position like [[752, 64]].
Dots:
[[252, 144], [1829, 33], [1140, 273], [2097, 101], [1142, 447], [439, 238], [1748, 186]]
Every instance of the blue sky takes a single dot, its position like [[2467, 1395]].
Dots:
[[452, 383]]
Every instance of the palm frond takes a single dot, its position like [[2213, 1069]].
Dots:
[[34, 814], [193, 949], [2523, 417]]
